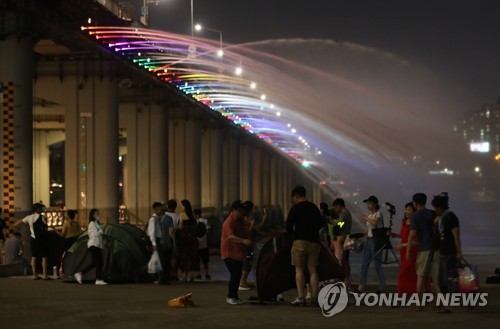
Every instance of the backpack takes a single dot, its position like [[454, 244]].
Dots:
[[200, 230]]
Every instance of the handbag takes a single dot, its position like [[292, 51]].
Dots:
[[154, 265], [468, 280]]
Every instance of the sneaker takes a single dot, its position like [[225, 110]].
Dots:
[[78, 277], [298, 301], [100, 283], [234, 301], [208, 277], [244, 288], [280, 298]]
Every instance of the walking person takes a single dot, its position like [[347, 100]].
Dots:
[[234, 241], [94, 245], [427, 263], [39, 239], [304, 222], [373, 220]]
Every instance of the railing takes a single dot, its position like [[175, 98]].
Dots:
[[121, 10], [55, 218]]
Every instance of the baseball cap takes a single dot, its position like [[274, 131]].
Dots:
[[371, 198]]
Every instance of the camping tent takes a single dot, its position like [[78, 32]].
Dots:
[[125, 254], [273, 269]]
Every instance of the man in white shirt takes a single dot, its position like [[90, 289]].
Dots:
[[39, 239], [155, 235]]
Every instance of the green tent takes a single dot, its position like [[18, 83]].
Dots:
[[125, 255]]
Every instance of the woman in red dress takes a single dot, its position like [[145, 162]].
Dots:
[[407, 279]]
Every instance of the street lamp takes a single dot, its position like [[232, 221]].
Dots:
[[198, 28]]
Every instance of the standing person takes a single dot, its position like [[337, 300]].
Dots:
[[94, 245], [234, 241], [71, 229], [373, 220], [344, 225], [168, 245], [171, 206], [254, 228], [203, 243], [39, 239], [304, 222], [407, 278], [155, 237], [450, 246], [3, 234], [189, 261], [427, 263]]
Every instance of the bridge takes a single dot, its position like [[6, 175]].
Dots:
[[135, 116]]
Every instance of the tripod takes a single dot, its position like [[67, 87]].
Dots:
[[382, 243]]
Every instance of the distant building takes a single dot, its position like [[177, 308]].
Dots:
[[481, 129]]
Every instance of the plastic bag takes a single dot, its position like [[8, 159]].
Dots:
[[154, 265], [468, 280]]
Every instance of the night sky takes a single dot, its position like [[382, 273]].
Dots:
[[458, 40]]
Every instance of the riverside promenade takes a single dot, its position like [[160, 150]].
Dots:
[[25, 303]]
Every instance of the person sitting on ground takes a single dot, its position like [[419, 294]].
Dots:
[[14, 250]]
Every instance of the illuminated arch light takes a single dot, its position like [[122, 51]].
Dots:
[[194, 68]]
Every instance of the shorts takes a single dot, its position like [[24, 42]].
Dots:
[[39, 248], [422, 258], [305, 253], [203, 255]]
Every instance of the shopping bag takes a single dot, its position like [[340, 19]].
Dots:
[[468, 280], [154, 265]]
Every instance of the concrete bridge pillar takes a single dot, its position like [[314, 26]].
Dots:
[[211, 169], [16, 90], [185, 156], [145, 125], [247, 162], [231, 168]]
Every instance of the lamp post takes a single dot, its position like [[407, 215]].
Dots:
[[220, 52]]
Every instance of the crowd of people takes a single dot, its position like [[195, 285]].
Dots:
[[429, 248]]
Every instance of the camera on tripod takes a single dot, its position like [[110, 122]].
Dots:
[[390, 208]]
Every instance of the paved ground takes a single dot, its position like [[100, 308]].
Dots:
[[25, 303]]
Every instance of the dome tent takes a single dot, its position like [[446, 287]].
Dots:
[[273, 269], [125, 254]]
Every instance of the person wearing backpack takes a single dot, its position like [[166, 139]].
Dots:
[[39, 239], [201, 231]]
